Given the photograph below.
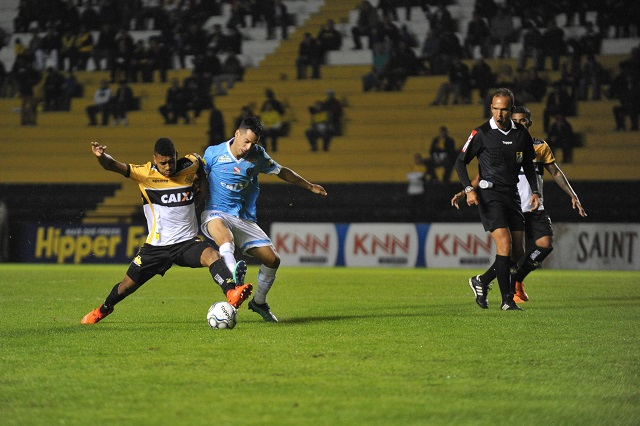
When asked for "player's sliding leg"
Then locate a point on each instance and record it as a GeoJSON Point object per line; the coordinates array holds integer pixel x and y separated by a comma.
{"type": "Point", "coordinates": [236, 294]}
{"type": "Point", "coordinates": [120, 291]}
{"type": "Point", "coordinates": [266, 277]}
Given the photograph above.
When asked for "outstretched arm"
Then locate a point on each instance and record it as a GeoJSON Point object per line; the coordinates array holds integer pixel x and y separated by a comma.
{"type": "Point", "coordinates": [290, 176]}
{"type": "Point", "coordinates": [562, 181]}
{"type": "Point", "coordinates": [107, 161]}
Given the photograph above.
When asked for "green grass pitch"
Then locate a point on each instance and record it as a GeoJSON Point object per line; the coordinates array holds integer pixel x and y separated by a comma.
{"type": "Point", "coordinates": [354, 347]}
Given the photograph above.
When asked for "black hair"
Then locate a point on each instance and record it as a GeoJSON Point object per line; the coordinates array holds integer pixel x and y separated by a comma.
{"type": "Point", "coordinates": [252, 123]}
{"type": "Point", "coordinates": [523, 110]}
{"type": "Point", "coordinates": [164, 147]}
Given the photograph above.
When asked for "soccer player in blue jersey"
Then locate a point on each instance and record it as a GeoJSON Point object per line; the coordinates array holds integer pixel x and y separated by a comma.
{"type": "Point", "coordinates": [229, 217]}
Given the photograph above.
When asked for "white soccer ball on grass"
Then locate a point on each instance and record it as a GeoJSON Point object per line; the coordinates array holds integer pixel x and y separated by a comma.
{"type": "Point", "coordinates": [222, 315]}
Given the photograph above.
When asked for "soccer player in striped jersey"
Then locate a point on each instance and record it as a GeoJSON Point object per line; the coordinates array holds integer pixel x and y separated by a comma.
{"type": "Point", "coordinates": [170, 188]}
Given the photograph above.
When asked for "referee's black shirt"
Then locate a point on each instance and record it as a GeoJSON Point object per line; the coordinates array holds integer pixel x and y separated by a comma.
{"type": "Point", "coordinates": [500, 155]}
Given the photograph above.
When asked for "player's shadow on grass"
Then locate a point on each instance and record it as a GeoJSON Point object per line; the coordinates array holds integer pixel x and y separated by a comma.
{"type": "Point", "coordinates": [305, 320]}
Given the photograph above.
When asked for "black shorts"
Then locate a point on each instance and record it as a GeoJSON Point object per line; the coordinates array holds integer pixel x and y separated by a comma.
{"type": "Point", "coordinates": [537, 224]}
{"type": "Point", "coordinates": [499, 209]}
{"type": "Point", "coordinates": [156, 260]}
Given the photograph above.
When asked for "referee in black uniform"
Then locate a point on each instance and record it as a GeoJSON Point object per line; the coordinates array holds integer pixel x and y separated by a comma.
{"type": "Point", "coordinates": [502, 147]}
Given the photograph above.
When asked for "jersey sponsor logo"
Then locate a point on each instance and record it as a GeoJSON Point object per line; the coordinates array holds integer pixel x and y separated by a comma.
{"type": "Point", "coordinates": [234, 186]}
{"type": "Point", "coordinates": [224, 158]}
{"type": "Point", "coordinates": [171, 198]}
{"type": "Point", "coordinates": [466, 145]}
{"type": "Point", "coordinates": [159, 180]}
{"type": "Point", "coordinates": [507, 142]}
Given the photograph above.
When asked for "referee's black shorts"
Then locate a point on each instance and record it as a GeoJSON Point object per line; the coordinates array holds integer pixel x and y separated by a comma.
{"type": "Point", "coordinates": [537, 224]}
{"type": "Point", "coordinates": [156, 260]}
{"type": "Point", "coordinates": [500, 209]}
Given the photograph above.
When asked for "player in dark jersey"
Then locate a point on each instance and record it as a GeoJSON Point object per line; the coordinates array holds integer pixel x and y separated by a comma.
{"type": "Point", "coordinates": [502, 147]}
{"type": "Point", "coordinates": [538, 228]}
{"type": "Point", "coordinates": [170, 191]}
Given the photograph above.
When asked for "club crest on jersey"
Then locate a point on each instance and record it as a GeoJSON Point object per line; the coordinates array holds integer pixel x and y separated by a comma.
{"type": "Point", "coordinates": [519, 157]}
{"type": "Point", "coordinates": [137, 261]}
{"type": "Point", "coordinates": [236, 170]}
{"type": "Point", "coordinates": [224, 158]}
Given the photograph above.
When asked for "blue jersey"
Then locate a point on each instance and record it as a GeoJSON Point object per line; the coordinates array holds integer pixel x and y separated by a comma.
{"type": "Point", "coordinates": [233, 182]}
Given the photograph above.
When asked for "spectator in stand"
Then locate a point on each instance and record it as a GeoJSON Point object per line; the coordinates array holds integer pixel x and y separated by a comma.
{"type": "Point", "coordinates": [386, 30]}
{"type": "Point", "coordinates": [271, 121]}
{"type": "Point", "coordinates": [35, 50]}
{"type": "Point", "coordinates": [571, 76]}
{"type": "Point", "coordinates": [207, 65]}
{"type": "Point", "coordinates": [482, 78]}
{"type": "Point", "coordinates": [175, 105]}
{"type": "Point", "coordinates": [233, 41]}
{"type": "Point", "coordinates": [502, 31]}
{"type": "Point", "coordinates": [105, 47]}
{"type": "Point", "coordinates": [309, 55]}
{"type": "Point", "coordinates": [321, 127]}
{"type": "Point", "coordinates": [553, 45]}
{"type": "Point", "coordinates": [141, 67]}
{"type": "Point", "coordinates": [329, 38]}
{"type": "Point", "coordinates": [84, 47]}
{"type": "Point", "coordinates": [90, 18]}
{"type": "Point", "coordinates": [53, 89]}
{"type": "Point", "coordinates": [593, 76]}
{"type": "Point", "coordinates": [376, 78]}
{"type": "Point", "coordinates": [561, 136]}
{"type": "Point", "coordinates": [478, 35]}
{"type": "Point", "coordinates": [407, 36]}
{"type": "Point", "coordinates": [442, 154]}
{"type": "Point", "coordinates": [279, 16]}
{"type": "Point", "coordinates": [626, 89]}
{"type": "Point", "coordinates": [450, 49]}
{"type": "Point", "coordinates": [193, 42]}
{"type": "Point", "coordinates": [160, 58]}
{"type": "Point", "coordinates": [558, 102]}
{"type": "Point", "coordinates": [335, 109]}
{"type": "Point", "coordinates": [531, 47]}
{"type": "Point", "coordinates": [532, 88]}
{"type": "Point", "coordinates": [71, 88]}
{"type": "Point", "coordinates": [431, 53]}
{"type": "Point", "coordinates": [49, 50]}
{"type": "Point", "coordinates": [245, 112]}
{"type": "Point", "coordinates": [230, 72]}
{"type": "Point", "coordinates": [101, 104]}
{"type": "Point", "coordinates": [367, 21]}
{"type": "Point", "coordinates": [121, 103]}
{"type": "Point", "coordinates": [216, 131]}
{"type": "Point", "coordinates": [26, 77]}
{"type": "Point", "coordinates": [458, 84]}
{"type": "Point", "coordinates": [198, 95]}
{"type": "Point", "coordinates": [441, 20]}
{"type": "Point", "coordinates": [271, 99]}
{"type": "Point", "coordinates": [68, 50]}
{"type": "Point", "coordinates": [120, 66]}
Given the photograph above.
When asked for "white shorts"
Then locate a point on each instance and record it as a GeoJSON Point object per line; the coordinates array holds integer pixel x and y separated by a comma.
{"type": "Point", "coordinates": [246, 234]}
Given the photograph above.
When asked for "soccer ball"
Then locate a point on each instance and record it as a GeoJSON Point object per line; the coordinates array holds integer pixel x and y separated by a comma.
{"type": "Point", "coordinates": [222, 315]}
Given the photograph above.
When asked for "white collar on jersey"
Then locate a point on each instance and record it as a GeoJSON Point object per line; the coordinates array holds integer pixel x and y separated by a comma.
{"type": "Point", "coordinates": [494, 126]}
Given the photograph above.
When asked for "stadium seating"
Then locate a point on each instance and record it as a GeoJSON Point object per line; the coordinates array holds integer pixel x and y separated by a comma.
{"type": "Point", "coordinates": [382, 129]}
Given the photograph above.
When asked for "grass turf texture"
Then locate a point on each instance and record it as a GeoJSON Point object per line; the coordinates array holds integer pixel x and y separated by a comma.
{"type": "Point", "coordinates": [354, 346]}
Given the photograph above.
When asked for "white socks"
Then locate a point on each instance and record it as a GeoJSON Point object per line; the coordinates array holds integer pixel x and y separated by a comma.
{"type": "Point", "coordinates": [227, 253]}
{"type": "Point", "coordinates": [266, 277]}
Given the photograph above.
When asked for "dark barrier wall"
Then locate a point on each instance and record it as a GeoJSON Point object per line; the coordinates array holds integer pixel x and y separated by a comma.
{"type": "Point", "coordinates": [33, 207]}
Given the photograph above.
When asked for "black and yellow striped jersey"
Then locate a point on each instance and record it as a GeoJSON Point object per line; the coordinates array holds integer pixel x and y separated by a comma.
{"type": "Point", "coordinates": [168, 202]}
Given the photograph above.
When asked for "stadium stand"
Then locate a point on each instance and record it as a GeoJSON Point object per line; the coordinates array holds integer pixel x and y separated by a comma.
{"type": "Point", "coordinates": [382, 129]}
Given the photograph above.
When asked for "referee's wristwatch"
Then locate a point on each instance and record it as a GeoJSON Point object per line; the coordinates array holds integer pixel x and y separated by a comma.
{"type": "Point", "coordinates": [468, 189]}
{"type": "Point", "coordinates": [537, 193]}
